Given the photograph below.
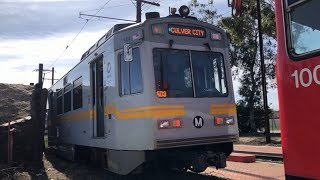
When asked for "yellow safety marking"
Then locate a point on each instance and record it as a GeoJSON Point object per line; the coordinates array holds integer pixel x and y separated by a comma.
{"type": "Point", "coordinates": [222, 105]}
{"type": "Point", "coordinates": [128, 113]}
{"type": "Point", "coordinates": [83, 115]}
{"type": "Point", "coordinates": [218, 109]}
{"type": "Point", "coordinates": [146, 112]}
{"type": "Point", "coordinates": [152, 108]}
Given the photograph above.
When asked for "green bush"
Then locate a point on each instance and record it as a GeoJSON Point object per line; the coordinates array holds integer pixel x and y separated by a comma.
{"type": "Point", "coordinates": [243, 113]}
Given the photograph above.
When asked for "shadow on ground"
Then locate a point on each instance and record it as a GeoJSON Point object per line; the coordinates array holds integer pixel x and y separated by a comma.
{"type": "Point", "coordinates": [24, 171]}
{"type": "Point", "coordinates": [57, 168]}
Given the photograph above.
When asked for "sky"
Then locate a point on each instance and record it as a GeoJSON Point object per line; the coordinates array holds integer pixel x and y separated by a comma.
{"type": "Point", "coordinates": [39, 31]}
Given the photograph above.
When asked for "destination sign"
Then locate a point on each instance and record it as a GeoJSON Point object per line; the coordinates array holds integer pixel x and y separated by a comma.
{"type": "Point", "coordinates": [186, 31]}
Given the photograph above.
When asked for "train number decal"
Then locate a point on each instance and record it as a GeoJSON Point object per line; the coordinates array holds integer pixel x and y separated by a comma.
{"type": "Point", "coordinates": [306, 80]}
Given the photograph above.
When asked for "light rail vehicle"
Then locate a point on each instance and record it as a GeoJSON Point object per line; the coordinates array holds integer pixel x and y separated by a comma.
{"type": "Point", "coordinates": [147, 94]}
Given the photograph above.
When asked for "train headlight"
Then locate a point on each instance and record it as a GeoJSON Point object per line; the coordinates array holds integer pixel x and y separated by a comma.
{"type": "Point", "coordinates": [215, 36]}
{"type": "Point", "coordinates": [229, 120]}
{"type": "Point", "coordinates": [164, 124]}
{"type": "Point", "coordinates": [184, 11]}
{"type": "Point", "coordinates": [220, 121]}
{"type": "Point", "coordinates": [157, 29]}
{"type": "Point", "coordinates": [176, 123]}
{"type": "Point", "coordinates": [169, 123]}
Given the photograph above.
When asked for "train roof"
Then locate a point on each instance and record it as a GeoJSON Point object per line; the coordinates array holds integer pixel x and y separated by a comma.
{"type": "Point", "coordinates": [118, 27]}
{"type": "Point", "coordinates": [114, 29]}
{"type": "Point", "coordinates": [127, 26]}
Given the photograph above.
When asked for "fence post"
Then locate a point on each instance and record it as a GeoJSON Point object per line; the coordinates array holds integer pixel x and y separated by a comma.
{"type": "Point", "coordinates": [38, 108]}
{"type": "Point", "coordinates": [10, 144]}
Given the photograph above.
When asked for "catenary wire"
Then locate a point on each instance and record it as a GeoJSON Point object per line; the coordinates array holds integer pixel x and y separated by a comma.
{"type": "Point", "coordinates": [84, 25]}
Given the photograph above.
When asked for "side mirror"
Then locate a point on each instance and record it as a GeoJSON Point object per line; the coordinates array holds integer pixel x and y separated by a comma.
{"type": "Point", "coordinates": [127, 51]}
{"type": "Point", "coordinates": [236, 6]}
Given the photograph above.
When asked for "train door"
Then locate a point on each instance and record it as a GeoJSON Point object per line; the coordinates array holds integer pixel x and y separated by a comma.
{"type": "Point", "coordinates": [97, 97]}
{"type": "Point", "coordinates": [50, 117]}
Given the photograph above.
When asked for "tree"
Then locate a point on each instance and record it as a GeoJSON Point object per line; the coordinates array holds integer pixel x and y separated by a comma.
{"type": "Point", "coordinates": [243, 34]}
{"type": "Point", "coordinates": [204, 11]}
{"type": "Point", "coordinates": [243, 115]}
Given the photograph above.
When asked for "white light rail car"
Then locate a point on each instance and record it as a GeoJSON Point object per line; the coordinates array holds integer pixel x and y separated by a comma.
{"type": "Point", "coordinates": [148, 93]}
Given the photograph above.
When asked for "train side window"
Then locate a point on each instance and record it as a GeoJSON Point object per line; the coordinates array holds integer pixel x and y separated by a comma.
{"type": "Point", "coordinates": [135, 72]}
{"type": "Point", "coordinates": [130, 74]}
{"type": "Point", "coordinates": [59, 102]}
{"type": "Point", "coordinates": [124, 76]}
{"type": "Point", "coordinates": [77, 94]}
{"type": "Point", "coordinates": [67, 99]}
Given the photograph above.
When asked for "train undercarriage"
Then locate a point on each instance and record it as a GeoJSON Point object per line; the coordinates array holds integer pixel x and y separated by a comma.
{"type": "Point", "coordinates": [194, 158]}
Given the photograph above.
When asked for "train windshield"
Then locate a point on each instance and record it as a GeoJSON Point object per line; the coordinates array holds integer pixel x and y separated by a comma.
{"type": "Point", "coordinates": [183, 73]}
{"type": "Point", "coordinates": [304, 25]}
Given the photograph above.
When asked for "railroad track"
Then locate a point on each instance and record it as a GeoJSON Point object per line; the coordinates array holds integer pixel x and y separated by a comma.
{"type": "Point", "coordinates": [264, 156]}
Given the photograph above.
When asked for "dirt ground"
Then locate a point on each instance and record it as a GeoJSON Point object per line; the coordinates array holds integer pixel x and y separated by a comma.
{"type": "Point", "coordinates": [57, 168]}
{"type": "Point", "coordinates": [14, 101]}
{"type": "Point", "coordinates": [51, 168]}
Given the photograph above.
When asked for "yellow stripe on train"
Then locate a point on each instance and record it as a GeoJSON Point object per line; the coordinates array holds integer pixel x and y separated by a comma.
{"type": "Point", "coordinates": [146, 111]}
{"type": "Point", "coordinates": [129, 113]}
{"type": "Point", "coordinates": [218, 109]}
{"type": "Point", "coordinates": [83, 115]}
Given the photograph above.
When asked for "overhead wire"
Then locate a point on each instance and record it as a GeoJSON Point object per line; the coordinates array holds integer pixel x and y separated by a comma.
{"type": "Point", "coordinates": [146, 8]}
{"type": "Point", "coordinates": [150, 7]}
{"type": "Point", "coordinates": [133, 3]}
{"type": "Point", "coordinates": [108, 7]}
{"type": "Point", "coordinates": [84, 25]}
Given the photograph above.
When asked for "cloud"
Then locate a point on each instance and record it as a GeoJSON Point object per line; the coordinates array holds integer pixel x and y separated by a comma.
{"type": "Point", "coordinates": [38, 19]}
{"type": "Point", "coordinates": [8, 57]}
{"type": "Point", "coordinates": [27, 54]}
{"type": "Point", "coordinates": [37, 31]}
{"type": "Point", "coordinates": [34, 32]}
{"type": "Point", "coordinates": [25, 68]}
{"type": "Point", "coordinates": [36, 1]}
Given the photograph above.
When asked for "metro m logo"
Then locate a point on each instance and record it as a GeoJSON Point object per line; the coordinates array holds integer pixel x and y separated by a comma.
{"type": "Point", "coordinates": [198, 122]}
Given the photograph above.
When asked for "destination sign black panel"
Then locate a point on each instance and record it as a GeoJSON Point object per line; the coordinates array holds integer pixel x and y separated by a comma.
{"type": "Point", "coordinates": [186, 31]}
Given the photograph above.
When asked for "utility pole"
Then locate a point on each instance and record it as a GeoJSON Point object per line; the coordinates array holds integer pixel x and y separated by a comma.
{"type": "Point", "coordinates": [40, 74]}
{"type": "Point", "coordinates": [52, 76]}
{"type": "Point", "coordinates": [139, 4]}
{"type": "Point", "coordinates": [263, 73]}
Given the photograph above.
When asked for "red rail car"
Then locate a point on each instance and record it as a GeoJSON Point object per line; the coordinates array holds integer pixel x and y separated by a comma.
{"type": "Point", "coordinates": [298, 78]}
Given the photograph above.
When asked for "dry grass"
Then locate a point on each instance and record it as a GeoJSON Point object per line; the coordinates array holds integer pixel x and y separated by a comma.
{"type": "Point", "coordinates": [14, 101]}
{"type": "Point", "coordinates": [50, 168]}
